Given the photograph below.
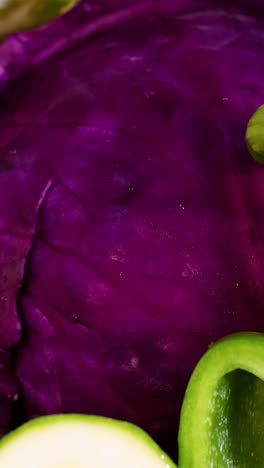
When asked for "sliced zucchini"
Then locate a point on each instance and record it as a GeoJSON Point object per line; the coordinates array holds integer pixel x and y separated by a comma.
{"type": "Point", "coordinates": [75, 441]}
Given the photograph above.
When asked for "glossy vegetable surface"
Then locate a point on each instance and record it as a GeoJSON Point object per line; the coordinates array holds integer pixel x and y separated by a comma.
{"type": "Point", "coordinates": [222, 418]}
{"type": "Point", "coordinates": [221, 423]}
{"type": "Point", "coordinates": [131, 212]}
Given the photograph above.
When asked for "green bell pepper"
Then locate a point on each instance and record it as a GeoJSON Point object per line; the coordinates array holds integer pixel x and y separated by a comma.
{"type": "Point", "coordinates": [221, 426]}
{"type": "Point", "coordinates": [222, 419]}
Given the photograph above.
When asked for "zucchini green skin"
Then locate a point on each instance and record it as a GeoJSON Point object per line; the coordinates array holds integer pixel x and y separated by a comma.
{"type": "Point", "coordinates": [222, 423]}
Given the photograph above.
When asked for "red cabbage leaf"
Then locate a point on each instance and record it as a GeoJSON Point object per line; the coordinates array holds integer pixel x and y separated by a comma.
{"type": "Point", "coordinates": [131, 213]}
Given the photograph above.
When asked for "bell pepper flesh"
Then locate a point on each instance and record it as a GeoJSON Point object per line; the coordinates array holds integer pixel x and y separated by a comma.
{"type": "Point", "coordinates": [222, 421]}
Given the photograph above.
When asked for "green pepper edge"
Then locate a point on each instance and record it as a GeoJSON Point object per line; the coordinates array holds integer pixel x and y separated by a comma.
{"type": "Point", "coordinates": [243, 351]}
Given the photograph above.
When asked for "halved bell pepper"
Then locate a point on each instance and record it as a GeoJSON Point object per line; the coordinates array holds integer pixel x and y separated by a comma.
{"type": "Point", "coordinates": [222, 423]}
{"type": "Point", "coordinates": [222, 419]}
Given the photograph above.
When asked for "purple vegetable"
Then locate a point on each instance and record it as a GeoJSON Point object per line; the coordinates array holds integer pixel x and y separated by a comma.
{"type": "Point", "coordinates": [131, 213]}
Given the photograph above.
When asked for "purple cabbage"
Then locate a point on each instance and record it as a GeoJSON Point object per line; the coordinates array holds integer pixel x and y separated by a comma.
{"type": "Point", "coordinates": [131, 213]}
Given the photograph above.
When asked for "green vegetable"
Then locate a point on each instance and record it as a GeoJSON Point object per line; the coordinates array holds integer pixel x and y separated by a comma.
{"type": "Point", "coordinates": [255, 135]}
{"type": "Point", "coordinates": [75, 441]}
{"type": "Point", "coordinates": [222, 422]}
{"type": "Point", "coordinates": [19, 15]}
